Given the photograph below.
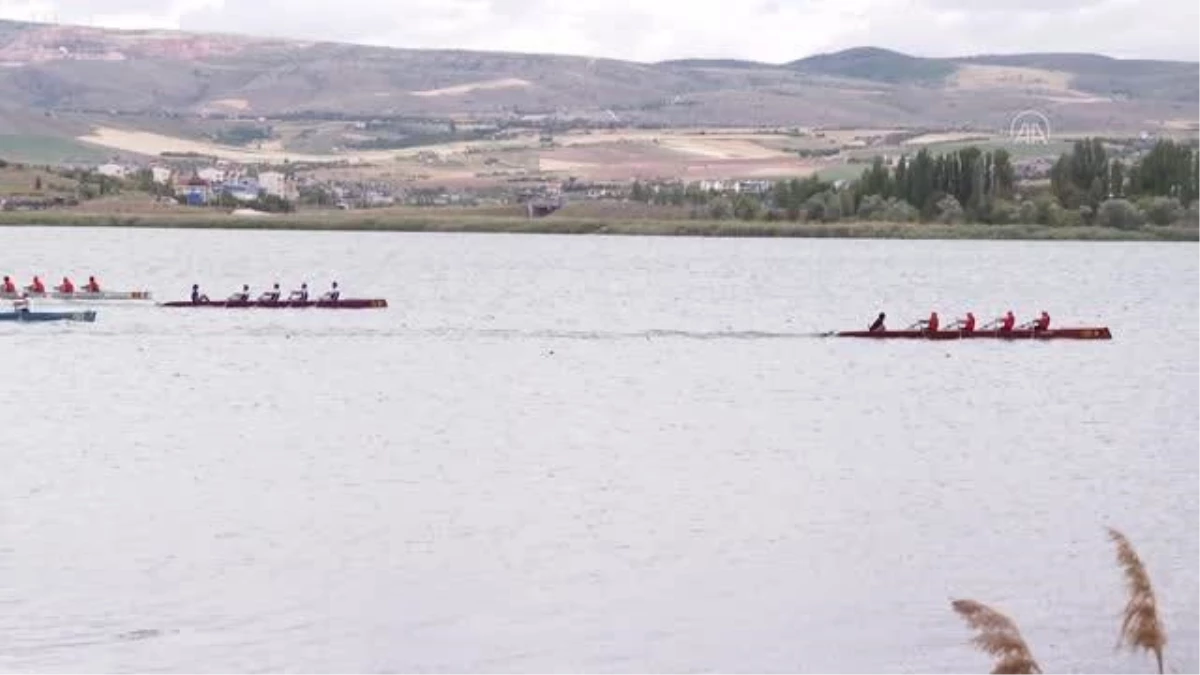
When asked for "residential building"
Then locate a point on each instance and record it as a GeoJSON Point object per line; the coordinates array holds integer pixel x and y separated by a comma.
{"type": "Point", "coordinates": [211, 174]}
{"type": "Point", "coordinates": [278, 184]}
{"type": "Point", "coordinates": [161, 174]}
{"type": "Point", "coordinates": [112, 170]}
{"type": "Point", "coordinates": [197, 191]}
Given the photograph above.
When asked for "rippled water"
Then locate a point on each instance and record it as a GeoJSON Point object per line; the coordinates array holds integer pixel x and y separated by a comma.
{"type": "Point", "coordinates": [591, 454]}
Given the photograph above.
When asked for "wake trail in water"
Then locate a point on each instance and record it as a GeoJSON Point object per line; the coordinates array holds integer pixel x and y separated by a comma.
{"type": "Point", "coordinates": [467, 333]}
{"type": "Point", "coordinates": [651, 334]}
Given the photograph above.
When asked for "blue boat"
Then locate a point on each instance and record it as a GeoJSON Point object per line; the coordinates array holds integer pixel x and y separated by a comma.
{"type": "Point", "coordinates": [88, 315]}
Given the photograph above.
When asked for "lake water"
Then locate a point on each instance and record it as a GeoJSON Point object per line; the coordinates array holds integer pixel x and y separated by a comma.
{"type": "Point", "coordinates": [591, 454]}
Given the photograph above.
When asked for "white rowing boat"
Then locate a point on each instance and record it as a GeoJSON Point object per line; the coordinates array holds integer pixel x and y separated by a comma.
{"type": "Point", "coordinates": [82, 296]}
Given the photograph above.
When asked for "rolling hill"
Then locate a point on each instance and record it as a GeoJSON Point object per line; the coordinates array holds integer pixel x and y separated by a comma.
{"type": "Point", "coordinates": [60, 81]}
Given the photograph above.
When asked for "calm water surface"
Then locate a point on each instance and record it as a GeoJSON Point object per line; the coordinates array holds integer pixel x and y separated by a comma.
{"type": "Point", "coordinates": [590, 454]}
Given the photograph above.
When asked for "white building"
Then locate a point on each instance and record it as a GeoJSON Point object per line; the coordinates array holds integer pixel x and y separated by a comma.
{"type": "Point", "coordinates": [161, 174]}
{"type": "Point", "coordinates": [211, 174]}
{"type": "Point", "coordinates": [112, 170]}
{"type": "Point", "coordinates": [278, 184]}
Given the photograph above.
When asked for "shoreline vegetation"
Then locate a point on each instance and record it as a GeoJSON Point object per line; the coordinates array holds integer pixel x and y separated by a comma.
{"type": "Point", "coordinates": [1092, 193]}
{"type": "Point", "coordinates": [463, 220]}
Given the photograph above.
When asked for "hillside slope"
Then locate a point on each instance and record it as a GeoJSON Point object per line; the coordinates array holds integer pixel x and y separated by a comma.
{"type": "Point", "coordinates": [71, 69]}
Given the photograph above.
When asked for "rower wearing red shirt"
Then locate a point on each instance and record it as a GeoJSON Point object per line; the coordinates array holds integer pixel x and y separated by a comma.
{"type": "Point", "coordinates": [1008, 321]}
{"type": "Point", "coordinates": [66, 286]}
{"type": "Point", "coordinates": [1040, 323]}
{"type": "Point", "coordinates": [37, 286]}
{"type": "Point", "coordinates": [92, 286]}
{"type": "Point", "coordinates": [965, 325]}
{"type": "Point", "coordinates": [930, 324]}
{"type": "Point", "coordinates": [9, 286]}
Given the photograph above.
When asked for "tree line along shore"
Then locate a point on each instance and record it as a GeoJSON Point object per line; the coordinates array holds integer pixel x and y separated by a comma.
{"type": "Point", "coordinates": [966, 194]}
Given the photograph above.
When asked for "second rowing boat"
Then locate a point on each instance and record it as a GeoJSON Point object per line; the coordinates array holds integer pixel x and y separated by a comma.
{"type": "Point", "coordinates": [82, 296]}
{"type": "Point", "coordinates": [87, 316]}
{"type": "Point", "coordinates": [345, 303]}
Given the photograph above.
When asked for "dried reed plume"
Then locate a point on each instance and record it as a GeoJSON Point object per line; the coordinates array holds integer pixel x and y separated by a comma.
{"type": "Point", "coordinates": [1141, 628]}
{"type": "Point", "coordinates": [998, 636]}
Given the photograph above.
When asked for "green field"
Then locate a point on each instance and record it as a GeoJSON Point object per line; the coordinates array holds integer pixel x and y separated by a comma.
{"type": "Point", "coordinates": [1016, 150]}
{"type": "Point", "coordinates": [49, 150]}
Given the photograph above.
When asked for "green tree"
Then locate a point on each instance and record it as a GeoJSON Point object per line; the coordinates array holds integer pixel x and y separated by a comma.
{"type": "Point", "coordinates": [1168, 170]}
{"type": "Point", "coordinates": [720, 208]}
{"type": "Point", "coordinates": [1162, 210]}
{"type": "Point", "coordinates": [1116, 178]}
{"type": "Point", "coordinates": [746, 207]}
{"type": "Point", "coordinates": [1081, 177]}
{"type": "Point", "coordinates": [1119, 213]}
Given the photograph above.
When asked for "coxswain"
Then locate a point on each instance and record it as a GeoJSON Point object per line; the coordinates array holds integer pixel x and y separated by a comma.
{"type": "Point", "coordinates": [37, 286]}
{"type": "Point", "coordinates": [66, 286]}
{"type": "Point", "coordinates": [333, 294]}
{"type": "Point", "coordinates": [241, 296]}
{"type": "Point", "coordinates": [930, 324]}
{"type": "Point", "coordinates": [878, 325]}
{"type": "Point", "coordinates": [300, 295]}
{"type": "Point", "coordinates": [92, 285]}
{"type": "Point", "coordinates": [197, 296]}
{"type": "Point", "coordinates": [965, 325]}
{"type": "Point", "coordinates": [9, 286]}
{"type": "Point", "coordinates": [271, 295]}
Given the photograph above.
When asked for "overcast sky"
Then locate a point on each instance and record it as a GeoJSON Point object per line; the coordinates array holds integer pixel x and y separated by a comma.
{"type": "Point", "coordinates": [651, 30]}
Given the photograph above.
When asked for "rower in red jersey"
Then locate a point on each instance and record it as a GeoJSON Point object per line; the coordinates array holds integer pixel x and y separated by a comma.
{"type": "Point", "coordinates": [66, 286]}
{"type": "Point", "coordinates": [965, 325]}
{"type": "Point", "coordinates": [1008, 321]}
{"type": "Point", "coordinates": [1040, 323]}
{"type": "Point", "coordinates": [37, 286]}
{"type": "Point", "coordinates": [930, 324]}
{"type": "Point", "coordinates": [8, 286]}
{"type": "Point", "coordinates": [92, 286]}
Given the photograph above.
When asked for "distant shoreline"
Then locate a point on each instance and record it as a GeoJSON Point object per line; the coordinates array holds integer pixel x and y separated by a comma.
{"type": "Point", "coordinates": [366, 221]}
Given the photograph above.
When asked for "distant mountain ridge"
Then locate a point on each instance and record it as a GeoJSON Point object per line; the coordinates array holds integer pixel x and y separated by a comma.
{"type": "Point", "coordinates": [66, 69]}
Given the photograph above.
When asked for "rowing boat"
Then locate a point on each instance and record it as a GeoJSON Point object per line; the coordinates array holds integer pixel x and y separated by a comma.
{"type": "Point", "coordinates": [1096, 333]}
{"type": "Point", "coordinates": [87, 316]}
{"type": "Point", "coordinates": [82, 296]}
{"type": "Point", "coordinates": [347, 303]}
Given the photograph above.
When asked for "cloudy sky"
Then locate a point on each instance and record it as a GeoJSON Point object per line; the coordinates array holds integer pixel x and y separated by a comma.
{"type": "Point", "coordinates": [650, 30]}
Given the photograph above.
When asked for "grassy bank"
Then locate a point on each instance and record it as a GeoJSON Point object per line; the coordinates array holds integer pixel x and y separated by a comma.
{"type": "Point", "coordinates": [418, 220]}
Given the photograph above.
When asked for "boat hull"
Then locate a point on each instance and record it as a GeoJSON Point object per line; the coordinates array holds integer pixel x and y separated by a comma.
{"type": "Point", "coordinates": [1089, 333]}
{"type": "Point", "coordinates": [82, 296]}
{"type": "Point", "coordinates": [87, 316]}
{"type": "Point", "coordinates": [348, 303]}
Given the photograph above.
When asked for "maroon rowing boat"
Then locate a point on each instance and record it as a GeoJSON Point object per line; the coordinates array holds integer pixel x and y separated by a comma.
{"type": "Point", "coordinates": [1098, 333]}
{"type": "Point", "coordinates": [347, 303]}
